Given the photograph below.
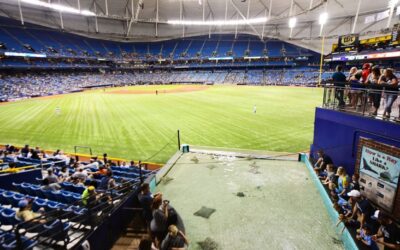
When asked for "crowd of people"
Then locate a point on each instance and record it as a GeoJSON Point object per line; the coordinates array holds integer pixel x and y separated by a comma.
{"type": "Point", "coordinates": [43, 84]}
{"type": "Point", "coordinates": [26, 85]}
{"type": "Point", "coordinates": [165, 230]}
{"type": "Point", "coordinates": [374, 227]}
{"type": "Point", "coordinates": [95, 176]}
{"type": "Point", "coordinates": [371, 77]}
{"type": "Point", "coordinates": [11, 154]}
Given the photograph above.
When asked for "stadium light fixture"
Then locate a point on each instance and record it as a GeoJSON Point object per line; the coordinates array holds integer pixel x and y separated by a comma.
{"type": "Point", "coordinates": [323, 18]}
{"type": "Point", "coordinates": [59, 7]}
{"type": "Point", "coordinates": [218, 22]}
{"type": "Point", "coordinates": [292, 22]}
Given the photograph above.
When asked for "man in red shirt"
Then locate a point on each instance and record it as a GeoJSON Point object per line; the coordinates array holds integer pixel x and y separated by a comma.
{"type": "Point", "coordinates": [366, 70]}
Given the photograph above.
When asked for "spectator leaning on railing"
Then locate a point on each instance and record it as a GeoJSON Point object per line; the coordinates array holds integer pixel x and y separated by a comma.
{"type": "Point", "coordinates": [373, 79]}
{"type": "Point", "coordinates": [391, 80]}
{"type": "Point", "coordinates": [339, 80]}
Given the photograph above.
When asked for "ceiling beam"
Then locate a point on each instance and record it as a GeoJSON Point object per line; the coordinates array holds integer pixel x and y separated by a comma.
{"type": "Point", "coordinates": [139, 7]}
{"type": "Point", "coordinates": [244, 18]}
{"type": "Point", "coordinates": [340, 24]}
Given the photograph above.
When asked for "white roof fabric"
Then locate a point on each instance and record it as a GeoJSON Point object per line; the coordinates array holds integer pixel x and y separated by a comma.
{"type": "Point", "coordinates": [115, 17]}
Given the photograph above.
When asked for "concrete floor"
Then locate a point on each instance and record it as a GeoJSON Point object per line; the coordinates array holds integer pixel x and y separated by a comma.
{"type": "Point", "coordinates": [280, 208]}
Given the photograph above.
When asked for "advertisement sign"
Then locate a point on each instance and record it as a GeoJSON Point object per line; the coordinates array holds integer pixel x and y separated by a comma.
{"type": "Point", "coordinates": [379, 176]}
{"type": "Point", "coordinates": [396, 33]}
{"type": "Point", "coordinates": [348, 42]}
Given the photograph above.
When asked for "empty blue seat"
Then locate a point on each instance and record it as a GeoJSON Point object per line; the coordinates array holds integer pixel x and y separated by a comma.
{"type": "Point", "coordinates": [67, 186]}
{"type": "Point", "coordinates": [6, 197]}
{"type": "Point", "coordinates": [57, 230]}
{"type": "Point", "coordinates": [35, 190]}
{"type": "Point", "coordinates": [45, 194]}
{"type": "Point", "coordinates": [62, 206]}
{"type": "Point", "coordinates": [38, 203]}
{"type": "Point", "coordinates": [7, 217]}
{"type": "Point", "coordinates": [18, 187]}
{"type": "Point", "coordinates": [51, 205]}
{"type": "Point", "coordinates": [16, 199]}
{"type": "Point", "coordinates": [8, 242]}
{"type": "Point", "coordinates": [25, 188]}
{"type": "Point", "coordinates": [54, 195]}
{"type": "Point", "coordinates": [78, 189]}
{"type": "Point", "coordinates": [65, 197]}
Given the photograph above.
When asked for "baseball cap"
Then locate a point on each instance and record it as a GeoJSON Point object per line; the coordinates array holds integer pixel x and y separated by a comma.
{"type": "Point", "coordinates": [366, 66]}
{"type": "Point", "coordinates": [23, 203]}
{"type": "Point", "coordinates": [354, 193]}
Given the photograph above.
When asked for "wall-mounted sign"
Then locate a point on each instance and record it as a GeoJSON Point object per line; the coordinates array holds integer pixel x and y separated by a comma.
{"type": "Point", "coordinates": [379, 167]}
{"type": "Point", "coordinates": [379, 174]}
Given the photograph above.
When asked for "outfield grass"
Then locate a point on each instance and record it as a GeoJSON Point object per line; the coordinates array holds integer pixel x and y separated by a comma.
{"type": "Point", "coordinates": [137, 126]}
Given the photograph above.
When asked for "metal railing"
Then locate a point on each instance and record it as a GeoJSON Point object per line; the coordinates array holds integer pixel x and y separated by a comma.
{"type": "Point", "coordinates": [374, 100]}
{"type": "Point", "coordinates": [51, 229]}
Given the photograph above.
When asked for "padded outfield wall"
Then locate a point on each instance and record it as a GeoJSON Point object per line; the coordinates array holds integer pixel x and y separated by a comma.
{"type": "Point", "coordinates": [338, 134]}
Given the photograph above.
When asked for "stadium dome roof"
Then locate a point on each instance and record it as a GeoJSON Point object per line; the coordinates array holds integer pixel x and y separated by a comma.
{"type": "Point", "coordinates": [147, 20]}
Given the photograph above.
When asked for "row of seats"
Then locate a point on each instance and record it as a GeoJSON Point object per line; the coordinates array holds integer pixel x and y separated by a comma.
{"type": "Point", "coordinates": [69, 186]}
{"type": "Point", "coordinates": [13, 198]}
{"type": "Point", "coordinates": [119, 174]}
{"type": "Point", "coordinates": [40, 40]}
{"type": "Point", "coordinates": [63, 196]}
{"type": "Point", "coordinates": [56, 229]}
{"type": "Point", "coordinates": [8, 217]}
{"type": "Point", "coordinates": [129, 169]}
{"type": "Point", "coordinates": [8, 241]}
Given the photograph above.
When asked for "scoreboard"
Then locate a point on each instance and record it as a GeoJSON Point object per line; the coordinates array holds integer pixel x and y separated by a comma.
{"type": "Point", "coordinates": [396, 33]}
{"type": "Point", "coordinates": [348, 43]}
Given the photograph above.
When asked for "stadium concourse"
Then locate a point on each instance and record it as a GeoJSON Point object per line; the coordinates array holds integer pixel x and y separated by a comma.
{"type": "Point", "coordinates": [271, 124]}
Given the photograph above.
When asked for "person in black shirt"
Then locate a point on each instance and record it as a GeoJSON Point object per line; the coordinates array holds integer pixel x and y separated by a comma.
{"type": "Point", "coordinates": [25, 151]}
{"type": "Point", "coordinates": [354, 184]}
{"type": "Point", "coordinates": [174, 239]}
{"type": "Point", "coordinates": [362, 210]}
{"type": "Point", "coordinates": [146, 200]}
{"type": "Point", "coordinates": [373, 81]}
{"type": "Point", "coordinates": [34, 154]}
{"type": "Point", "coordinates": [339, 80]}
{"type": "Point", "coordinates": [388, 234]}
{"type": "Point", "coordinates": [322, 162]}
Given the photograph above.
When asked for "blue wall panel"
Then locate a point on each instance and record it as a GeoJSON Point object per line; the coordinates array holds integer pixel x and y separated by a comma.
{"type": "Point", "coordinates": [30, 176]}
{"type": "Point", "coordinates": [338, 134]}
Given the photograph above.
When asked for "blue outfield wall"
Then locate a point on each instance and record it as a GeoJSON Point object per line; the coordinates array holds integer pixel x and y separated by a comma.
{"type": "Point", "coordinates": [338, 133]}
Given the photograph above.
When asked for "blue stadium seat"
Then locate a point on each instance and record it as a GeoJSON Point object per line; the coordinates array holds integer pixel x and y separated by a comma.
{"type": "Point", "coordinates": [16, 198]}
{"type": "Point", "coordinates": [26, 189]}
{"type": "Point", "coordinates": [66, 186]}
{"type": "Point", "coordinates": [8, 242]}
{"type": "Point", "coordinates": [78, 189]}
{"type": "Point", "coordinates": [44, 193]}
{"type": "Point", "coordinates": [51, 205]}
{"type": "Point", "coordinates": [54, 195]}
{"type": "Point", "coordinates": [57, 230]}
{"type": "Point", "coordinates": [62, 206]}
{"type": "Point", "coordinates": [38, 203]}
{"type": "Point", "coordinates": [7, 217]}
{"type": "Point", "coordinates": [65, 197]}
{"type": "Point", "coordinates": [6, 197]}
{"type": "Point", "coordinates": [18, 187]}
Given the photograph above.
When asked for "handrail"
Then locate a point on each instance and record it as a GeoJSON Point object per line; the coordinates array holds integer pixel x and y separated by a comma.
{"type": "Point", "coordinates": [104, 204]}
{"type": "Point", "coordinates": [370, 100]}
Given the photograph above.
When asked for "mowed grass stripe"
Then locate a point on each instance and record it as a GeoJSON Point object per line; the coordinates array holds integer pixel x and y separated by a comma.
{"type": "Point", "coordinates": [136, 126]}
